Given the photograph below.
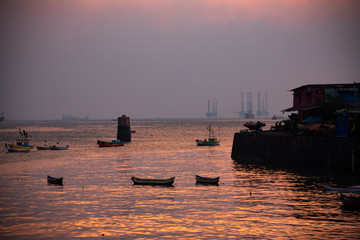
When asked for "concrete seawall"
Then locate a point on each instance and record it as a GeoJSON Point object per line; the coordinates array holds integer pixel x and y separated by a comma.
{"type": "Point", "coordinates": [297, 151]}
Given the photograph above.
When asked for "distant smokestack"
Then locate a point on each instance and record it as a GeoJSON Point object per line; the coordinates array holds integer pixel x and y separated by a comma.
{"type": "Point", "coordinates": [242, 102]}
{"type": "Point", "coordinates": [266, 101]}
{"type": "Point", "coordinates": [249, 101]}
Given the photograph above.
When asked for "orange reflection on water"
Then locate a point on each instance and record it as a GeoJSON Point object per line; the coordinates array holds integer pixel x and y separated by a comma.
{"type": "Point", "coordinates": [99, 198]}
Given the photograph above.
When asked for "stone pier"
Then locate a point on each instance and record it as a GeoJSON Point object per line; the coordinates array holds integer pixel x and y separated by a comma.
{"type": "Point", "coordinates": [298, 151]}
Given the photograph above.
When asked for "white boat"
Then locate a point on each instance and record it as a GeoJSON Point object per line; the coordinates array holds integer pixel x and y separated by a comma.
{"type": "Point", "coordinates": [59, 148]}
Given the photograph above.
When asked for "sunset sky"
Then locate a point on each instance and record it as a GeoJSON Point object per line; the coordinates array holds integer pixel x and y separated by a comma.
{"type": "Point", "coordinates": [167, 58]}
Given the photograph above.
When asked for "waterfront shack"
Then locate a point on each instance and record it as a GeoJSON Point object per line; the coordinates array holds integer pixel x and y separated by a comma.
{"type": "Point", "coordinates": [292, 147]}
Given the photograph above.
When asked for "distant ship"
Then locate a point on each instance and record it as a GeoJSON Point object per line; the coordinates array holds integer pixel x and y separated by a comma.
{"type": "Point", "coordinates": [2, 117]}
{"type": "Point", "coordinates": [70, 117]}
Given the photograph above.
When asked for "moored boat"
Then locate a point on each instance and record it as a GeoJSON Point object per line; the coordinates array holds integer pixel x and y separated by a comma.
{"type": "Point", "coordinates": [53, 180]}
{"type": "Point", "coordinates": [113, 143]}
{"type": "Point", "coordinates": [350, 201]}
{"type": "Point", "coordinates": [150, 181]}
{"type": "Point", "coordinates": [59, 148]}
{"type": "Point", "coordinates": [22, 144]}
{"type": "Point", "coordinates": [211, 141]}
{"type": "Point", "coordinates": [343, 189]}
{"type": "Point", "coordinates": [43, 147]}
{"type": "Point", "coordinates": [254, 126]}
{"type": "Point", "coordinates": [207, 180]}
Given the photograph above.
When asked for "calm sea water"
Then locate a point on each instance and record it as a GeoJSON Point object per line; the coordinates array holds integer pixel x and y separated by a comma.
{"type": "Point", "coordinates": [99, 201]}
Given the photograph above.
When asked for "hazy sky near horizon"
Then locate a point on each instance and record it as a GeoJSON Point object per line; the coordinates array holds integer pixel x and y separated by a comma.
{"type": "Point", "coordinates": [167, 58]}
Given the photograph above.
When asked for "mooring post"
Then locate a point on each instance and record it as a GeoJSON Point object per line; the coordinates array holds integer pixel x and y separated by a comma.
{"type": "Point", "coordinates": [352, 161]}
{"type": "Point", "coordinates": [123, 132]}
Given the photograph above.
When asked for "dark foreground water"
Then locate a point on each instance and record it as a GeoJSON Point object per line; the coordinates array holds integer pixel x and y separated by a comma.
{"type": "Point", "coordinates": [99, 201]}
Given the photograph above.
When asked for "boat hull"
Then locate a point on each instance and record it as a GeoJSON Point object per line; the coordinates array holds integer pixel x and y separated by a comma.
{"type": "Point", "coordinates": [17, 148]}
{"type": "Point", "coordinates": [42, 148]}
{"type": "Point", "coordinates": [146, 181]}
{"type": "Point", "coordinates": [59, 148]}
{"type": "Point", "coordinates": [342, 189]}
{"type": "Point", "coordinates": [207, 143]}
{"type": "Point", "coordinates": [53, 180]}
{"type": "Point", "coordinates": [206, 180]}
{"type": "Point", "coordinates": [110, 144]}
{"type": "Point", "coordinates": [350, 201]}
{"type": "Point", "coordinates": [254, 126]}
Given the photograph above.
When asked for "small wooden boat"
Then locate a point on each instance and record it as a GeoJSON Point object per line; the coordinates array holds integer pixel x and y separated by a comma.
{"type": "Point", "coordinates": [149, 181]}
{"type": "Point", "coordinates": [113, 143]}
{"type": "Point", "coordinates": [254, 126]}
{"type": "Point", "coordinates": [207, 180]}
{"type": "Point", "coordinates": [340, 188]}
{"type": "Point", "coordinates": [43, 147]}
{"type": "Point", "coordinates": [211, 141]}
{"type": "Point", "coordinates": [53, 180]}
{"type": "Point", "coordinates": [350, 201]}
{"type": "Point", "coordinates": [59, 148]}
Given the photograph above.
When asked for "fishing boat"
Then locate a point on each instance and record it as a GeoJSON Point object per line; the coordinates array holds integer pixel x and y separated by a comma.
{"type": "Point", "coordinates": [59, 148]}
{"type": "Point", "coordinates": [211, 141]}
{"type": "Point", "coordinates": [22, 144]}
{"type": "Point", "coordinates": [113, 143]}
{"type": "Point", "coordinates": [254, 126]}
{"type": "Point", "coordinates": [342, 189]}
{"type": "Point", "coordinates": [350, 201]}
{"type": "Point", "coordinates": [149, 181]}
{"type": "Point", "coordinates": [53, 180]}
{"type": "Point", "coordinates": [207, 180]}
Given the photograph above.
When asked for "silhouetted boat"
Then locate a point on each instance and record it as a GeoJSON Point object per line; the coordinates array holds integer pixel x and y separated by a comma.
{"type": "Point", "coordinates": [350, 201]}
{"type": "Point", "coordinates": [113, 143]}
{"type": "Point", "coordinates": [43, 147]}
{"type": "Point", "coordinates": [344, 189]}
{"type": "Point", "coordinates": [254, 126]}
{"type": "Point", "coordinates": [53, 180]}
{"type": "Point", "coordinates": [149, 181]}
{"type": "Point", "coordinates": [211, 141]}
{"type": "Point", "coordinates": [207, 180]}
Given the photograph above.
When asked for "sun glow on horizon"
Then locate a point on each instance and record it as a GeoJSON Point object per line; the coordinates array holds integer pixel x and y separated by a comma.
{"type": "Point", "coordinates": [227, 10]}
